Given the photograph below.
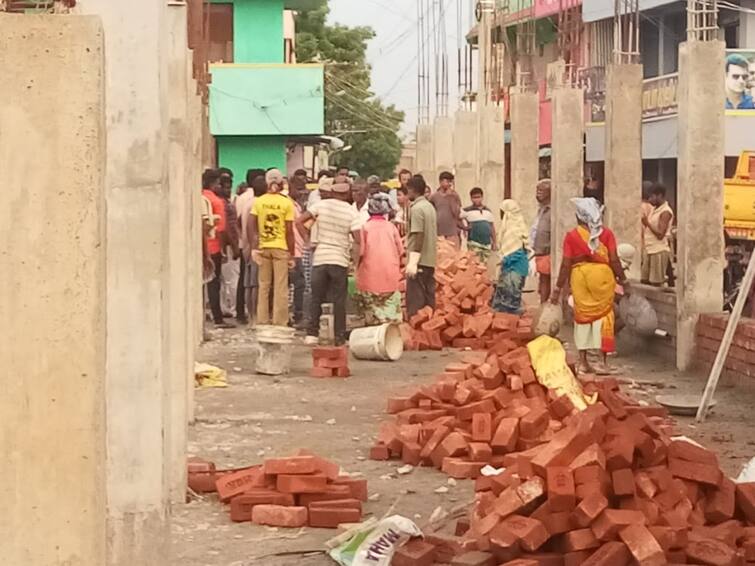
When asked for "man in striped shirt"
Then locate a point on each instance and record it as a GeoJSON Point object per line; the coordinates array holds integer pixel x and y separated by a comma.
{"type": "Point", "coordinates": [336, 223]}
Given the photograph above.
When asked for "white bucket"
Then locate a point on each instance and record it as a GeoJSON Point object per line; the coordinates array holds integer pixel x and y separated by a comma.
{"type": "Point", "coordinates": [382, 342]}
{"type": "Point", "coordinates": [274, 350]}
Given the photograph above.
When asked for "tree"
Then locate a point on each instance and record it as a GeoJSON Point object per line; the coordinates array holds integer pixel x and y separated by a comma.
{"type": "Point", "coordinates": [352, 112]}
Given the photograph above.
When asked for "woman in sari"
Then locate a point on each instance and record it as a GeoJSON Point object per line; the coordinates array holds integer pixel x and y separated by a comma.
{"type": "Point", "coordinates": [512, 246]}
{"type": "Point", "coordinates": [379, 270]}
{"type": "Point", "coordinates": [591, 264]}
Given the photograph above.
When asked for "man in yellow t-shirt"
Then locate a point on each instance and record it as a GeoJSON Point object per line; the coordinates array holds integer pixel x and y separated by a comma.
{"type": "Point", "coordinates": [271, 239]}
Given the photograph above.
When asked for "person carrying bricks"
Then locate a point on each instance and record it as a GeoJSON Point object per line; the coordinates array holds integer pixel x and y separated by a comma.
{"type": "Point", "coordinates": [271, 238]}
{"type": "Point", "coordinates": [421, 242]}
{"type": "Point", "coordinates": [336, 225]}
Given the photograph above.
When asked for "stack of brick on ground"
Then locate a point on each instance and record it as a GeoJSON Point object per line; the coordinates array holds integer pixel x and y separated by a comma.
{"type": "Point", "coordinates": [302, 490]}
{"type": "Point", "coordinates": [605, 486]}
{"type": "Point", "coordinates": [330, 361]}
{"type": "Point", "coordinates": [740, 363]}
{"type": "Point", "coordinates": [463, 317]}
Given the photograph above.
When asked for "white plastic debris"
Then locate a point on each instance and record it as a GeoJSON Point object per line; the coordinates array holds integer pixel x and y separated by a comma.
{"type": "Point", "coordinates": [490, 471]}
{"type": "Point", "coordinates": [403, 470]}
{"type": "Point", "coordinates": [748, 472]}
{"type": "Point", "coordinates": [375, 545]}
{"type": "Point", "coordinates": [330, 421]}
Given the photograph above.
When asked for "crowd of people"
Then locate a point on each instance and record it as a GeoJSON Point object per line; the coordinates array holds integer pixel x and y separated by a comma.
{"type": "Point", "coordinates": [281, 248]}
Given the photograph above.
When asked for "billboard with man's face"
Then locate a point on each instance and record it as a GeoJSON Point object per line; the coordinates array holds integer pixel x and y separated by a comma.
{"type": "Point", "coordinates": [740, 80]}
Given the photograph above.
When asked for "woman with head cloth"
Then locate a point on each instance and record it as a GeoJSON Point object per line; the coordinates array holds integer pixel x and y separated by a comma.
{"type": "Point", "coordinates": [512, 246]}
{"type": "Point", "coordinates": [379, 267]}
{"type": "Point", "coordinates": [592, 266]}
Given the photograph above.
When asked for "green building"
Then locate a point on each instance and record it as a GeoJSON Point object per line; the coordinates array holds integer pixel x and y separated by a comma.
{"type": "Point", "coordinates": [262, 105]}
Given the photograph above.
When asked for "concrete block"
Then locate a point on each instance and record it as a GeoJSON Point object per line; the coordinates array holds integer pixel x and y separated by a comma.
{"type": "Point", "coordinates": [525, 109]}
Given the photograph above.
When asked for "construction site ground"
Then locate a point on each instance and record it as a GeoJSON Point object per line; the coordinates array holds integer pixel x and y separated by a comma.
{"type": "Point", "coordinates": [260, 416]}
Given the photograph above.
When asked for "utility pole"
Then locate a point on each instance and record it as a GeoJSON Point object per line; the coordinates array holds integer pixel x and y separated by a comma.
{"type": "Point", "coordinates": [484, 12]}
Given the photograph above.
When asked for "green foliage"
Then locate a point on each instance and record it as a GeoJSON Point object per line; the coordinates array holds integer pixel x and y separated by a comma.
{"type": "Point", "coordinates": [352, 112]}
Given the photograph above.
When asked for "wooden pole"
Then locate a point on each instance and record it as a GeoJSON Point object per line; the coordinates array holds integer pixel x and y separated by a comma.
{"type": "Point", "coordinates": [723, 350]}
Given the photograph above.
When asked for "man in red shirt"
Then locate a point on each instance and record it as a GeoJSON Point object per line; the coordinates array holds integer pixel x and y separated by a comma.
{"type": "Point", "coordinates": [217, 224]}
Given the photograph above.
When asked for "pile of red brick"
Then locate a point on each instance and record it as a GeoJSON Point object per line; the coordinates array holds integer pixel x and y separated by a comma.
{"type": "Point", "coordinates": [330, 361]}
{"type": "Point", "coordinates": [286, 492]}
{"type": "Point", "coordinates": [462, 317]}
{"type": "Point", "coordinates": [604, 486]}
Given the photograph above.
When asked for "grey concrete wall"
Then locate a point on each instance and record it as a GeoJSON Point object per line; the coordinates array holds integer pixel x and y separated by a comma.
{"type": "Point", "coordinates": [525, 109]}
{"type": "Point", "coordinates": [425, 158]}
{"type": "Point", "coordinates": [138, 222]}
{"type": "Point", "coordinates": [700, 198]}
{"type": "Point", "coordinates": [566, 165]}
{"type": "Point", "coordinates": [491, 154]}
{"type": "Point", "coordinates": [465, 152]}
{"type": "Point", "coordinates": [623, 170]}
{"type": "Point", "coordinates": [52, 293]}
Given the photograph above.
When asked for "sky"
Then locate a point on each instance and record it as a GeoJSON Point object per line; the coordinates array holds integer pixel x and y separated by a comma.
{"type": "Point", "coordinates": [393, 52]}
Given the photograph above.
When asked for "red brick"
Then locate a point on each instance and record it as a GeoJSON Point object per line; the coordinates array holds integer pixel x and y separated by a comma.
{"type": "Point", "coordinates": [645, 485]}
{"type": "Point", "coordinates": [432, 443]}
{"type": "Point", "coordinates": [482, 427]}
{"type": "Point", "coordinates": [454, 445]}
{"type": "Point", "coordinates": [480, 452]}
{"type": "Point", "coordinates": [380, 452]}
{"type": "Point", "coordinates": [642, 546]}
{"type": "Point", "coordinates": [506, 436]}
{"type": "Point", "coordinates": [236, 483]}
{"type": "Point", "coordinates": [357, 487]}
{"type": "Point", "coordinates": [719, 506]}
{"type": "Point", "coordinates": [279, 516]}
{"type": "Point", "coordinates": [398, 404]}
{"type": "Point", "coordinates": [461, 469]}
{"type": "Point", "coordinates": [291, 465]}
{"type": "Point", "coordinates": [531, 533]}
{"type": "Point", "coordinates": [589, 474]}
{"type": "Point", "coordinates": [410, 453]}
{"type": "Point", "coordinates": [301, 484]}
{"type": "Point", "coordinates": [620, 453]}
{"type": "Point", "coordinates": [745, 498]}
{"type": "Point", "coordinates": [557, 523]}
{"type": "Point", "coordinates": [589, 509]}
{"type": "Point", "coordinates": [561, 489]}
{"type": "Point", "coordinates": [203, 482]}
{"type": "Point", "coordinates": [623, 482]}
{"type": "Point", "coordinates": [580, 539]}
{"type": "Point", "coordinates": [348, 503]}
{"type": "Point", "coordinates": [332, 492]}
{"type": "Point", "coordinates": [195, 464]}
{"type": "Point", "coordinates": [561, 407]}
{"type": "Point", "coordinates": [331, 517]}
{"type": "Point", "coordinates": [466, 412]}
{"type": "Point", "coordinates": [584, 490]}
{"type": "Point", "coordinates": [414, 553]}
{"type": "Point", "coordinates": [503, 543]}
{"type": "Point", "coordinates": [709, 474]}
{"type": "Point", "coordinates": [566, 445]}
{"type": "Point", "coordinates": [691, 452]}
{"type": "Point", "coordinates": [670, 538]}
{"type": "Point", "coordinates": [446, 546]}
{"type": "Point", "coordinates": [610, 554]}
{"type": "Point", "coordinates": [534, 423]}
{"type": "Point", "coordinates": [242, 505]}
{"type": "Point", "coordinates": [611, 521]}
{"type": "Point", "coordinates": [711, 551]}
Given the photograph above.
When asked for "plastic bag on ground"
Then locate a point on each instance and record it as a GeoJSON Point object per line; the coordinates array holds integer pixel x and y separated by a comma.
{"type": "Point", "coordinates": [549, 320]}
{"type": "Point", "coordinates": [747, 474]}
{"type": "Point", "coordinates": [206, 375]}
{"type": "Point", "coordinates": [376, 544]}
{"type": "Point", "coordinates": [549, 362]}
{"type": "Point", "coordinates": [638, 314]}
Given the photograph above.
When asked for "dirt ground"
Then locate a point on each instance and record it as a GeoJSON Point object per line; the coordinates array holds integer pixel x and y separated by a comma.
{"type": "Point", "coordinates": [258, 417]}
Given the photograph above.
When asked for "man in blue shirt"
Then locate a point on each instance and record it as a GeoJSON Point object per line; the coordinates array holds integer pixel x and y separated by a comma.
{"type": "Point", "coordinates": [737, 75]}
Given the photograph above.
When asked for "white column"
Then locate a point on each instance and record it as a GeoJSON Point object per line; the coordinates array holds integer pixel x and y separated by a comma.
{"type": "Point", "coordinates": [465, 152]}
{"type": "Point", "coordinates": [525, 151]}
{"type": "Point", "coordinates": [491, 156]}
{"type": "Point", "coordinates": [52, 293]}
{"type": "Point", "coordinates": [425, 157]}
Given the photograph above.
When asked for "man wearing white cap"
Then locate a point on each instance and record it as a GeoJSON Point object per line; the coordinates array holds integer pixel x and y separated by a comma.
{"type": "Point", "coordinates": [336, 225]}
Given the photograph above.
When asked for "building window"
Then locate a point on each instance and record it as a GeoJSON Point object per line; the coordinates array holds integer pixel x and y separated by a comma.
{"type": "Point", "coordinates": [649, 46]}
{"type": "Point", "coordinates": [221, 33]}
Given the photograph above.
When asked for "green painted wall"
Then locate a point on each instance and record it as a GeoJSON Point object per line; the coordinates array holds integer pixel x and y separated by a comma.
{"type": "Point", "coordinates": [241, 153]}
{"type": "Point", "coordinates": [291, 101]}
{"type": "Point", "coordinates": [257, 30]}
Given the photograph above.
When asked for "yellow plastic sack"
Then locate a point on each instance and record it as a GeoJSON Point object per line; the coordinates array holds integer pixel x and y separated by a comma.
{"type": "Point", "coordinates": [206, 375]}
{"type": "Point", "coordinates": [549, 362]}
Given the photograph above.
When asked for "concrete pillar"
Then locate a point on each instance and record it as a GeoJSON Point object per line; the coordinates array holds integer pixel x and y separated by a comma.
{"type": "Point", "coordinates": [137, 232]}
{"type": "Point", "coordinates": [443, 147]}
{"type": "Point", "coordinates": [492, 154]}
{"type": "Point", "coordinates": [465, 152]}
{"type": "Point", "coordinates": [52, 293]}
{"type": "Point", "coordinates": [567, 165]}
{"type": "Point", "coordinates": [525, 151]}
{"type": "Point", "coordinates": [700, 246]}
{"type": "Point", "coordinates": [623, 170]}
{"type": "Point", "coordinates": [425, 157]}
{"type": "Point", "coordinates": [179, 366]}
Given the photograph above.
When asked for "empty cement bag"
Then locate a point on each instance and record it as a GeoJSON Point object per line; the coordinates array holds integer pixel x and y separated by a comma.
{"type": "Point", "coordinates": [638, 314]}
{"type": "Point", "coordinates": [549, 320]}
